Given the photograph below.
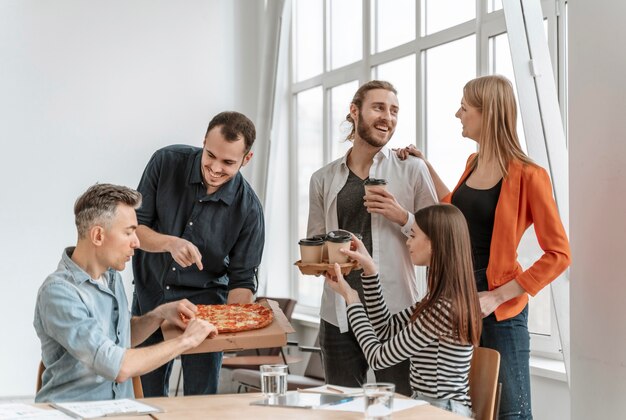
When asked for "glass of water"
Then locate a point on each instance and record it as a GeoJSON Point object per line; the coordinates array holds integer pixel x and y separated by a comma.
{"type": "Point", "coordinates": [378, 400]}
{"type": "Point", "coordinates": [273, 380]}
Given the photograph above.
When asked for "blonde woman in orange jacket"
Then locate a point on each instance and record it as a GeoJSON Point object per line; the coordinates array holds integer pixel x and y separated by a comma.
{"type": "Point", "coordinates": [501, 193]}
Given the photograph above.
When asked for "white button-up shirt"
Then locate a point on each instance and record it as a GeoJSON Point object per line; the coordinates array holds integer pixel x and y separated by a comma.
{"type": "Point", "coordinates": [411, 185]}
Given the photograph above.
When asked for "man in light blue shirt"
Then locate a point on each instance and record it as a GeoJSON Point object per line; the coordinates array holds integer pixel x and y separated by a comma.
{"type": "Point", "coordinates": [82, 318]}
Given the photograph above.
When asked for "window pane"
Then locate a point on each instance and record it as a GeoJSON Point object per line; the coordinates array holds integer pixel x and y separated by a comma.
{"type": "Point", "coordinates": [493, 5]}
{"type": "Point", "coordinates": [340, 98]}
{"type": "Point", "coordinates": [393, 25]}
{"type": "Point", "coordinates": [401, 73]}
{"type": "Point", "coordinates": [442, 14]}
{"type": "Point", "coordinates": [346, 39]}
{"type": "Point", "coordinates": [446, 149]}
{"type": "Point", "coordinates": [500, 57]}
{"type": "Point", "coordinates": [309, 106]}
{"type": "Point", "coordinates": [308, 38]}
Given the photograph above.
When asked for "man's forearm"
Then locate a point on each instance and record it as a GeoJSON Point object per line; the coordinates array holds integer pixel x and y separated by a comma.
{"type": "Point", "coordinates": [440, 187]}
{"type": "Point", "coordinates": [141, 327]}
{"type": "Point", "coordinates": [240, 295]}
{"type": "Point", "coordinates": [145, 359]}
{"type": "Point", "coordinates": [152, 241]}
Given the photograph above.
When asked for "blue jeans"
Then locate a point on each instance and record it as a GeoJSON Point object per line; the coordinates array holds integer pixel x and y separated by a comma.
{"type": "Point", "coordinates": [456, 407]}
{"type": "Point", "coordinates": [345, 364]}
{"type": "Point", "coordinates": [511, 339]}
{"type": "Point", "coordinates": [200, 371]}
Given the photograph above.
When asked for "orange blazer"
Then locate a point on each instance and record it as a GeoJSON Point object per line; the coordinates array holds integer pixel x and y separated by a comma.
{"type": "Point", "coordinates": [525, 198]}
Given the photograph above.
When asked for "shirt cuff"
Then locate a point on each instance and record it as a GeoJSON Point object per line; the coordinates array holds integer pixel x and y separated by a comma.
{"type": "Point", "coordinates": [406, 229]}
{"type": "Point", "coordinates": [108, 360]}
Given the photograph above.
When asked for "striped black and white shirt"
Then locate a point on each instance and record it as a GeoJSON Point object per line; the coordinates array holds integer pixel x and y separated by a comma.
{"type": "Point", "coordinates": [439, 363]}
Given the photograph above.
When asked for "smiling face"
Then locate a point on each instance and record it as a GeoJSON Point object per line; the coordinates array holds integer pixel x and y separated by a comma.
{"type": "Point", "coordinates": [222, 159]}
{"type": "Point", "coordinates": [419, 246]}
{"type": "Point", "coordinates": [117, 240]}
{"type": "Point", "coordinates": [471, 120]}
{"type": "Point", "coordinates": [377, 119]}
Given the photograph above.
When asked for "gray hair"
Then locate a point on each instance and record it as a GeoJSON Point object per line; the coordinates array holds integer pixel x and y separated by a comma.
{"type": "Point", "coordinates": [99, 203]}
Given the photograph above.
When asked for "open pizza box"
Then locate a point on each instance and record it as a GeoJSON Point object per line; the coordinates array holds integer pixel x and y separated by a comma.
{"type": "Point", "coordinates": [274, 335]}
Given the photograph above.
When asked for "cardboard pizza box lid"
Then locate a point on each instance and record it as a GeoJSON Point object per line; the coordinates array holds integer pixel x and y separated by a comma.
{"type": "Point", "coordinates": [274, 335]}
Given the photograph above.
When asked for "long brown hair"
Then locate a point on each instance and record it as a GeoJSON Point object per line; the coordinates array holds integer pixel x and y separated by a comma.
{"type": "Point", "coordinates": [451, 272]}
{"type": "Point", "coordinates": [494, 97]}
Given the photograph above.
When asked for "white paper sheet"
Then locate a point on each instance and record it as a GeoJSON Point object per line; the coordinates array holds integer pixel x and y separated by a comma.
{"type": "Point", "coordinates": [25, 411]}
{"type": "Point", "coordinates": [358, 405]}
{"type": "Point", "coordinates": [92, 409]}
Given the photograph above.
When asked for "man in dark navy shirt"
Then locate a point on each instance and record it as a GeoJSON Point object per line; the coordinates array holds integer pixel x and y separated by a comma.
{"type": "Point", "coordinates": [202, 232]}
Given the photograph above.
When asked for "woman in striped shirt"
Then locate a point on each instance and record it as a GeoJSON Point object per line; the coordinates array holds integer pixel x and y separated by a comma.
{"type": "Point", "coordinates": [438, 333]}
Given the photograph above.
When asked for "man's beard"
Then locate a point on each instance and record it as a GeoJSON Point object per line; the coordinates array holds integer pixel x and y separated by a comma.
{"type": "Point", "coordinates": [364, 132]}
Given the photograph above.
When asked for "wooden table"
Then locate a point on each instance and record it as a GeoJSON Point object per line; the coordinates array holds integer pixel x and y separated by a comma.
{"type": "Point", "coordinates": [237, 406]}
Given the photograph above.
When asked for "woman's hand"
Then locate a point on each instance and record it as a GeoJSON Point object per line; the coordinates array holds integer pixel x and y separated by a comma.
{"type": "Point", "coordinates": [488, 302]}
{"type": "Point", "coordinates": [359, 253]}
{"type": "Point", "coordinates": [336, 282]}
{"type": "Point", "coordinates": [410, 150]}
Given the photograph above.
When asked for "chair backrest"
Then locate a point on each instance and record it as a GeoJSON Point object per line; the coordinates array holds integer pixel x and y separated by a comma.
{"type": "Point", "coordinates": [137, 388]}
{"type": "Point", "coordinates": [40, 370]}
{"type": "Point", "coordinates": [483, 382]}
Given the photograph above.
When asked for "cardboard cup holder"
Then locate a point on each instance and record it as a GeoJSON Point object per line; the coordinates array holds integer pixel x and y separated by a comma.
{"type": "Point", "coordinates": [316, 269]}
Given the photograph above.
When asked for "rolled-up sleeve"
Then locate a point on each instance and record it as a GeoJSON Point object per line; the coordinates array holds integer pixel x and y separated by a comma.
{"type": "Point", "coordinates": [67, 319]}
{"type": "Point", "coordinates": [246, 255]}
{"type": "Point", "coordinates": [148, 186]}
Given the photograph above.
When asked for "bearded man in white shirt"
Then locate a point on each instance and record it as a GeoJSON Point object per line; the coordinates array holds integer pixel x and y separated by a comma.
{"type": "Point", "coordinates": [383, 217]}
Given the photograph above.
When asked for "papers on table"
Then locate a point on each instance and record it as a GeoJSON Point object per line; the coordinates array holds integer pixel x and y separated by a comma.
{"type": "Point", "coordinates": [333, 390]}
{"type": "Point", "coordinates": [93, 409]}
{"type": "Point", "coordinates": [358, 405]}
{"type": "Point", "coordinates": [25, 411]}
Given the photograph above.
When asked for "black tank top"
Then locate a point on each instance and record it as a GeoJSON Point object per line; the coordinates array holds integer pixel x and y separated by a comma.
{"type": "Point", "coordinates": [479, 209]}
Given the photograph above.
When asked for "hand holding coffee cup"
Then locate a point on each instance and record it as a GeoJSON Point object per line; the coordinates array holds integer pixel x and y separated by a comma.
{"type": "Point", "coordinates": [336, 240]}
{"type": "Point", "coordinates": [374, 184]}
{"type": "Point", "coordinates": [378, 200]}
{"type": "Point", "coordinates": [359, 253]}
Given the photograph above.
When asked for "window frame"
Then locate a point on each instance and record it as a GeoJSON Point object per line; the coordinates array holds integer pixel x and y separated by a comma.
{"type": "Point", "coordinates": [484, 26]}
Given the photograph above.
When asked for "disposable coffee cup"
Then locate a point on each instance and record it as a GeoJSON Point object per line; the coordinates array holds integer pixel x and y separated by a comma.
{"type": "Point", "coordinates": [336, 240]}
{"type": "Point", "coordinates": [324, 247]}
{"type": "Point", "coordinates": [374, 182]}
{"type": "Point", "coordinates": [311, 250]}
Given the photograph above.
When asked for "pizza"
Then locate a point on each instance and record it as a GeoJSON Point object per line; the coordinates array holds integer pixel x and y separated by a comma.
{"type": "Point", "coordinates": [235, 317]}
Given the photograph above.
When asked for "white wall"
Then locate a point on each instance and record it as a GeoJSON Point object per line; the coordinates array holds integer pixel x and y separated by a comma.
{"type": "Point", "coordinates": [597, 146]}
{"type": "Point", "coordinates": [88, 90]}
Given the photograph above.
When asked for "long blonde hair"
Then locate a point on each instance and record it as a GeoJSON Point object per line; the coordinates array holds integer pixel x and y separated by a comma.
{"type": "Point", "coordinates": [451, 272]}
{"type": "Point", "coordinates": [494, 97]}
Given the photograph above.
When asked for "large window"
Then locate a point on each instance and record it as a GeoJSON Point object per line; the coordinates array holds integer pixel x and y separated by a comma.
{"type": "Point", "coordinates": [428, 49]}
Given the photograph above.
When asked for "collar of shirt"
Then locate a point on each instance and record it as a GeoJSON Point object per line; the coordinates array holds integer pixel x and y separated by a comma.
{"type": "Point", "coordinates": [225, 193]}
{"type": "Point", "coordinates": [383, 153]}
{"type": "Point", "coordinates": [79, 275]}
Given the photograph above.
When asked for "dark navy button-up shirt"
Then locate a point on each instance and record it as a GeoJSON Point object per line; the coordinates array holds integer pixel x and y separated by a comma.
{"type": "Point", "coordinates": [226, 226]}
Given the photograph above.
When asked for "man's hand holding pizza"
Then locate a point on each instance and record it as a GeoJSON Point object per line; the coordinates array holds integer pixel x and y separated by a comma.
{"type": "Point", "coordinates": [172, 312]}
{"type": "Point", "coordinates": [197, 331]}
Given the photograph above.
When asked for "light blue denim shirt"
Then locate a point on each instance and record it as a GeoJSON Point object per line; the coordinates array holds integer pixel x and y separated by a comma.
{"type": "Point", "coordinates": [84, 328]}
